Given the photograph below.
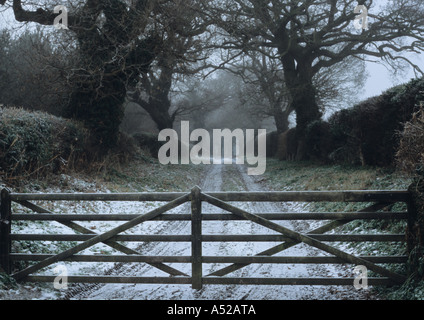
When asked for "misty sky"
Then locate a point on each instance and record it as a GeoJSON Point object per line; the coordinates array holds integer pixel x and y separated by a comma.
{"type": "Point", "coordinates": [380, 79]}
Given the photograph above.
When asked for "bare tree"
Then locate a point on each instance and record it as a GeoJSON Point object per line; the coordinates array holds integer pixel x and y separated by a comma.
{"type": "Point", "coordinates": [214, 102]}
{"type": "Point", "coordinates": [195, 98]}
{"type": "Point", "coordinates": [183, 34]}
{"type": "Point", "coordinates": [114, 47]}
{"type": "Point", "coordinates": [313, 35]}
{"type": "Point", "coordinates": [266, 95]}
{"type": "Point", "coordinates": [33, 72]}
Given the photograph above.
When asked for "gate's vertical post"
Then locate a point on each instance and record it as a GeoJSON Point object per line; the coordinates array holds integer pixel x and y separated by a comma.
{"type": "Point", "coordinates": [415, 229]}
{"type": "Point", "coordinates": [5, 230]}
{"type": "Point", "coordinates": [196, 238]}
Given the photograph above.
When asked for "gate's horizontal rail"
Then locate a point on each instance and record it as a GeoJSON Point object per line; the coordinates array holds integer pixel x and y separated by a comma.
{"type": "Point", "coordinates": [213, 280]}
{"type": "Point", "coordinates": [215, 216]}
{"type": "Point", "coordinates": [312, 196]}
{"type": "Point", "coordinates": [114, 279]}
{"type": "Point", "coordinates": [209, 259]}
{"type": "Point", "coordinates": [147, 196]}
{"type": "Point", "coordinates": [212, 238]}
{"type": "Point", "coordinates": [271, 196]}
{"type": "Point", "coordinates": [105, 258]}
{"type": "Point", "coordinates": [295, 281]}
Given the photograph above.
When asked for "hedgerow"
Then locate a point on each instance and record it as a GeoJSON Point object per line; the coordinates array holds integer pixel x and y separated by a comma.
{"type": "Point", "coordinates": [368, 133]}
{"type": "Point", "coordinates": [37, 142]}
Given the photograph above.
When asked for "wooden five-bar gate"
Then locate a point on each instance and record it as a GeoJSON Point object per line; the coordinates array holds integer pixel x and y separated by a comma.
{"type": "Point", "coordinates": [378, 206]}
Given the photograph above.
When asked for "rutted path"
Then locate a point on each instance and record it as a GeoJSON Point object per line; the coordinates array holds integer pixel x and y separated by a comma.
{"type": "Point", "coordinates": [224, 178]}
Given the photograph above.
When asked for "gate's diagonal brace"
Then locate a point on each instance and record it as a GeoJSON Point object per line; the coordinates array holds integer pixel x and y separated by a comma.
{"type": "Point", "coordinates": [113, 244]}
{"type": "Point", "coordinates": [288, 244]}
{"type": "Point", "coordinates": [304, 238]}
{"type": "Point", "coordinates": [101, 237]}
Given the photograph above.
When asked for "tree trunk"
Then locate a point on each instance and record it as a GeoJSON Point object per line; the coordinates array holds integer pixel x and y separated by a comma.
{"type": "Point", "coordinates": [281, 119]}
{"type": "Point", "coordinates": [158, 90]}
{"type": "Point", "coordinates": [303, 98]}
{"type": "Point", "coordinates": [158, 109]}
{"type": "Point", "coordinates": [98, 102]}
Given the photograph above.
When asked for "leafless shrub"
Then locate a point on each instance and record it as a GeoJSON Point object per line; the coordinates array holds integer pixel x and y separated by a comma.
{"type": "Point", "coordinates": [410, 156]}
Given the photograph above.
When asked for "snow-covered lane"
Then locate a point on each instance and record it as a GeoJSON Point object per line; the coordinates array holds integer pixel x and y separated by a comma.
{"type": "Point", "coordinates": [223, 178]}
